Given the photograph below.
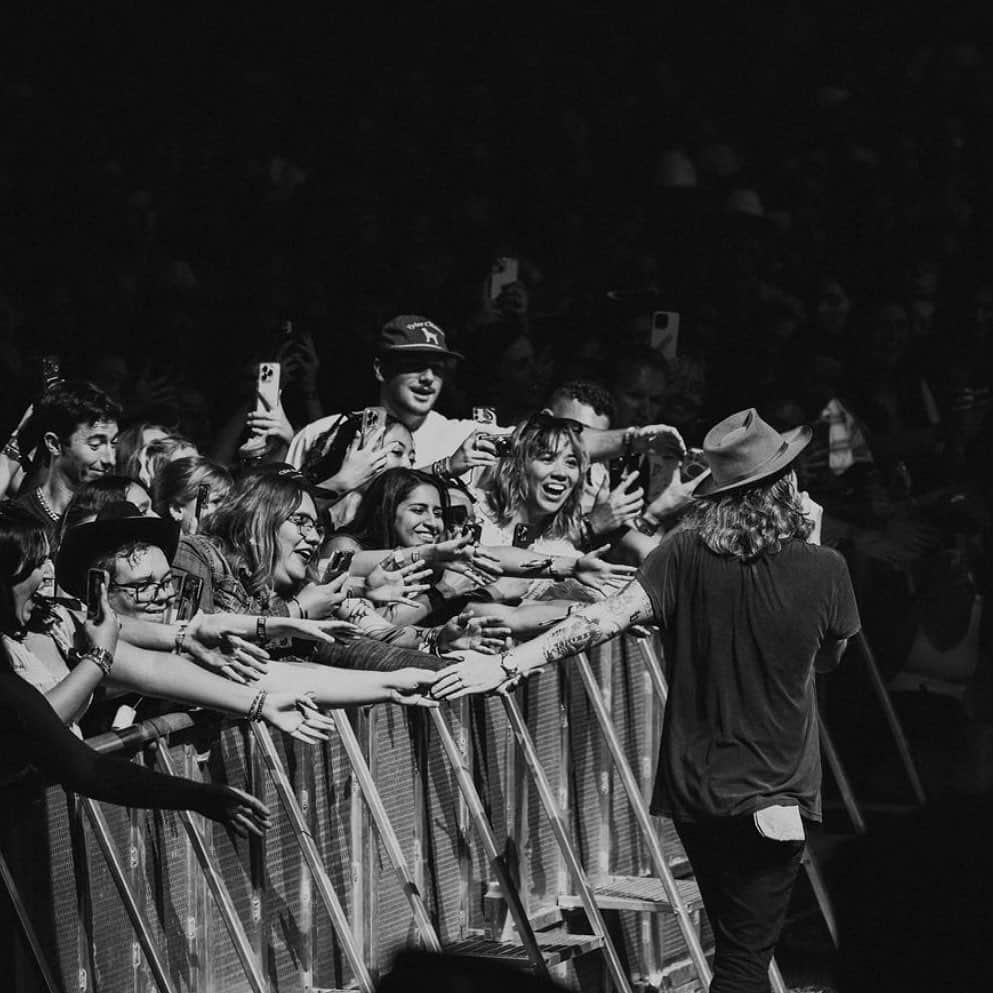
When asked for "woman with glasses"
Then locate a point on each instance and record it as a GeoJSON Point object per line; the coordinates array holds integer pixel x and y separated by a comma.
{"type": "Point", "coordinates": [66, 659]}
{"type": "Point", "coordinates": [259, 554]}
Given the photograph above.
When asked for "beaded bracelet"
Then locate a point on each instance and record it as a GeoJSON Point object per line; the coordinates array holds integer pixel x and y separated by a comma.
{"type": "Point", "coordinates": [99, 657]}
{"type": "Point", "coordinates": [260, 629]}
{"type": "Point", "coordinates": [255, 708]}
{"type": "Point", "coordinates": [442, 468]}
{"type": "Point", "coordinates": [13, 450]}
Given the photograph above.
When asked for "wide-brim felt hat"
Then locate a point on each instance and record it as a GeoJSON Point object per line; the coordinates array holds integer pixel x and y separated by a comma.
{"type": "Point", "coordinates": [117, 524]}
{"type": "Point", "coordinates": [743, 449]}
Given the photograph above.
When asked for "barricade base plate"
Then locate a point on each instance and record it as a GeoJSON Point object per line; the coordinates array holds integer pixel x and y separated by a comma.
{"type": "Point", "coordinates": [642, 893]}
{"type": "Point", "coordinates": [556, 946]}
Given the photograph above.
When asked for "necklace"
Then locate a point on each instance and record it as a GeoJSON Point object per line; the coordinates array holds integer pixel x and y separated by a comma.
{"type": "Point", "coordinates": [46, 506]}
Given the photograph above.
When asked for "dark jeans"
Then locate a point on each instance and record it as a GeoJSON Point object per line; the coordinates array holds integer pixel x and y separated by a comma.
{"type": "Point", "coordinates": [745, 881]}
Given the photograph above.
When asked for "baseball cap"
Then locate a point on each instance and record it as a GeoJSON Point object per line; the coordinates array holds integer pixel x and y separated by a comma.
{"type": "Point", "coordinates": [409, 333]}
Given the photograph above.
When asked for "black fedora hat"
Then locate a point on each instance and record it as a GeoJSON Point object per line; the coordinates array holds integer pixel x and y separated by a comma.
{"type": "Point", "coordinates": [117, 524]}
{"type": "Point", "coordinates": [743, 449]}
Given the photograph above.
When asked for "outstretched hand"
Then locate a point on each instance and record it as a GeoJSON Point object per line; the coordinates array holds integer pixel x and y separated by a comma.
{"type": "Point", "coordinates": [601, 576]}
{"type": "Point", "coordinates": [473, 673]}
{"type": "Point", "coordinates": [243, 813]}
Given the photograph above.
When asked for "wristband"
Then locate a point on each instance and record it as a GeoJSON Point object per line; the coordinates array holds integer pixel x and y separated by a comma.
{"type": "Point", "coordinates": [179, 645]}
{"type": "Point", "coordinates": [642, 524]}
{"type": "Point", "coordinates": [99, 657]}
{"type": "Point", "coordinates": [13, 450]}
{"type": "Point", "coordinates": [512, 670]}
{"type": "Point", "coordinates": [443, 468]}
{"type": "Point", "coordinates": [260, 629]}
{"type": "Point", "coordinates": [255, 707]}
{"type": "Point", "coordinates": [303, 613]}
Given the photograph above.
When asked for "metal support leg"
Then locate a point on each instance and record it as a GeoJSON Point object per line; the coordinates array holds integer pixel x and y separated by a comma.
{"type": "Point", "coordinates": [387, 835]}
{"type": "Point", "coordinates": [547, 795]}
{"type": "Point", "coordinates": [644, 820]}
{"type": "Point", "coordinates": [833, 760]}
{"type": "Point", "coordinates": [102, 833]}
{"type": "Point", "coordinates": [27, 927]}
{"type": "Point", "coordinates": [478, 813]}
{"type": "Point", "coordinates": [896, 728]}
{"type": "Point", "coordinates": [218, 890]}
{"type": "Point", "coordinates": [308, 848]}
{"type": "Point", "coordinates": [813, 870]}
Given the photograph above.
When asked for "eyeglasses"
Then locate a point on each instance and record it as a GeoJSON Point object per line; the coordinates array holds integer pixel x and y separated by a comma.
{"type": "Point", "coordinates": [306, 524]}
{"type": "Point", "coordinates": [545, 420]}
{"type": "Point", "coordinates": [149, 591]}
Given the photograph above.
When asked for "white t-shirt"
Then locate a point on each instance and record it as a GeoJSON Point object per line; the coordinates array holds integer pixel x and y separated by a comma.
{"type": "Point", "coordinates": [437, 437]}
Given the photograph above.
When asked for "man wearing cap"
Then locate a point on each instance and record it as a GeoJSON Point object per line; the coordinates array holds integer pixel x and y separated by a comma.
{"type": "Point", "coordinates": [412, 358]}
{"type": "Point", "coordinates": [749, 608]}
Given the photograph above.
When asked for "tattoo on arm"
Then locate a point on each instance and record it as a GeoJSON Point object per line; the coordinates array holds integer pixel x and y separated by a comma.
{"type": "Point", "coordinates": [596, 623]}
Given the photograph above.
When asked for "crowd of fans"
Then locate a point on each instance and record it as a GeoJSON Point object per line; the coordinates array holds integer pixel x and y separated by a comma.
{"type": "Point", "coordinates": [494, 370]}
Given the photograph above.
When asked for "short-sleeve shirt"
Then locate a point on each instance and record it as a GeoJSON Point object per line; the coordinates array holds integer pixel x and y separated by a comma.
{"type": "Point", "coordinates": [741, 730]}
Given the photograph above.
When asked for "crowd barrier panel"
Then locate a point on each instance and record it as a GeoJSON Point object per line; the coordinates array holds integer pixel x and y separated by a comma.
{"type": "Point", "coordinates": [409, 827]}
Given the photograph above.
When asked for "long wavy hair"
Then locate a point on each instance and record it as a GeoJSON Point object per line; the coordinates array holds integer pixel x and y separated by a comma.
{"type": "Point", "coordinates": [506, 484]}
{"type": "Point", "coordinates": [752, 521]}
{"type": "Point", "coordinates": [374, 525]}
{"type": "Point", "coordinates": [245, 525]}
{"type": "Point", "coordinates": [23, 547]}
{"type": "Point", "coordinates": [177, 482]}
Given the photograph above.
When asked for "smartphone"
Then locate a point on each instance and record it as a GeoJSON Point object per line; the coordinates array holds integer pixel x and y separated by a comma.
{"type": "Point", "coordinates": [665, 333]}
{"type": "Point", "coordinates": [474, 530]}
{"type": "Point", "coordinates": [97, 580]}
{"type": "Point", "coordinates": [267, 387]}
{"type": "Point", "coordinates": [503, 443]}
{"type": "Point", "coordinates": [51, 375]}
{"type": "Point", "coordinates": [521, 536]}
{"type": "Point", "coordinates": [505, 271]}
{"type": "Point", "coordinates": [203, 495]}
{"type": "Point", "coordinates": [338, 565]}
{"type": "Point", "coordinates": [457, 518]}
{"type": "Point", "coordinates": [622, 466]}
{"type": "Point", "coordinates": [188, 601]}
{"type": "Point", "coordinates": [373, 426]}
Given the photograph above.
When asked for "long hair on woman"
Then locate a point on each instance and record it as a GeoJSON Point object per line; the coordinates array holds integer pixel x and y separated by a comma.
{"type": "Point", "coordinates": [374, 524]}
{"type": "Point", "coordinates": [506, 484]}
{"type": "Point", "coordinates": [245, 525]}
{"type": "Point", "coordinates": [752, 521]}
{"type": "Point", "coordinates": [23, 547]}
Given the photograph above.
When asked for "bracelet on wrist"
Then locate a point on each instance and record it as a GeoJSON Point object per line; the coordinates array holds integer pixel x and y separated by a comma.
{"type": "Point", "coordinates": [511, 669]}
{"type": "Point", "coordinates": [303, 613]}
{"type": "Point", "coordinates": [260, 629]}
{"type": "Point", "coordinates": [645, 526]}
{"type": "Point", "coordinates": [13, 450]}
{"type": "Point", "coordinates": [99, 657]}
{"type": "Point", "coordinates": [255, 707]}
{"type": "Point", "coordinates": [442, 468]}
{"type": "Point", "coordinates": [179, 645]}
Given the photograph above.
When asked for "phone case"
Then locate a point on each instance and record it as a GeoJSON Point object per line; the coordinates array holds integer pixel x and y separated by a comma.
{"type": "Point", "coordinates": [504, 272]}
{"type": "Point", "coordinates": [373, 425]}
{"type": "Point", "coordinates": [268, 387]}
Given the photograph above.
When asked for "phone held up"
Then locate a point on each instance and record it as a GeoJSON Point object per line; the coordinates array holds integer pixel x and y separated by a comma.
{"type": "Point", "coordinates": [373, 426]}
{"type": "Point", "coordinates": [188, 601]}
{"type": "Point", "coordinates": [665, 333]}
{"type": "Point", "coordinates": [267, 389]}
{"type": "Point", "coordinates": [338, 565]}
{"type": "Point", "coordinates": [97, 580]}
{"type": "Point", "coordinates": [487, 416]}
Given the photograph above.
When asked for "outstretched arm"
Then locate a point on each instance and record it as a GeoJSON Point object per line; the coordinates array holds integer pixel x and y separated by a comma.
{"type": "Point", "coordinates": [591, 625]}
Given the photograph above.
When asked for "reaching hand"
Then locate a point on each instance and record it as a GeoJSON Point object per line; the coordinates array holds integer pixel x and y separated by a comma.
{"type": "Point", "coordinates": [477, 450]}
{"type": "Point", "coordinates": [297, 716]}
{"type": "Point", "coordinates": [473, 673]}
{"type": "Point", "coordinates": [676, 495]}
{"type": "Point", "coordinates": [325, 632]}
{"type": "Point", "coordinates": [321, 600]}
{"type": "Point", "coordinates": [385, 586]}
{"type": "Point", "coordinates": [603, 577]}
{"type": "Point", "coordinates": [241, 812]}
{"type": "Point", "coordinates": [272, 426]}
{"type": "Point", "coordinates": [300, 363]}
{"type": "Point", "coordinates": [618, 507]}
{"type": "Point", "coordinates": [408, 686]}
{"type": "Point", "coordinates": [467, 633]}
{"type": "Point", "coordinates": [462, 549]}
{"type": "Point", "coordinates": [211, 642]}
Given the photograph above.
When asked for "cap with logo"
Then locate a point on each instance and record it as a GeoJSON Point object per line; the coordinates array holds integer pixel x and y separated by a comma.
{"type": "Point", "coordinates": [410, 334]}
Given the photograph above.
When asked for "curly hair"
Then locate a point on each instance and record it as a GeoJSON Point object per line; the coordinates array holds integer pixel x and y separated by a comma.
{"type": "Point", "coordinates": [506, 485]}
{"type": "Point", "coordinates": [752, 521]}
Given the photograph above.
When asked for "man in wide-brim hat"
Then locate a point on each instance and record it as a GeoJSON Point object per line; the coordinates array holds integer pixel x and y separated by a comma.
{"type": "Point", "coordinates": [749, 607]}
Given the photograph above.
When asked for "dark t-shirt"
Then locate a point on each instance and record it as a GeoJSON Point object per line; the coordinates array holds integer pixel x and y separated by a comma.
{"type": "Point", "coordinates": [740, 730]}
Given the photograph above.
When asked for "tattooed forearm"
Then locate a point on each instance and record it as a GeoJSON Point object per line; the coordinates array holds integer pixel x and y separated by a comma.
{"type": "Point", "coordinates": [594, 624]}
{"type": "Point", "coordinates": [576, 634]}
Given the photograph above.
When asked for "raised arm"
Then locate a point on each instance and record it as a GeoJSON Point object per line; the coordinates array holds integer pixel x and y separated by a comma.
{"type": "Point", "coordinates": [590, 625]}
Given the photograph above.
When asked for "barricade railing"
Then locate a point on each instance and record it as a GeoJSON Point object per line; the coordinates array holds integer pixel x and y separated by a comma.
{"type": "Point", "coordinates": [464, 828]}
